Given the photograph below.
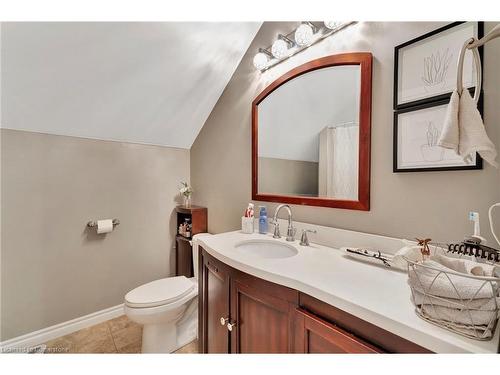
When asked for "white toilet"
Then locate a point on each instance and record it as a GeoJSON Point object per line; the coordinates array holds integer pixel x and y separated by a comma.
{"type": "Point", "coordinates": [168, 310]}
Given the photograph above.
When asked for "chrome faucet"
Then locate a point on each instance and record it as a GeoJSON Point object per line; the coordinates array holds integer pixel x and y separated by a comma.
{"type": "Point", "coordinates": [290, 233]}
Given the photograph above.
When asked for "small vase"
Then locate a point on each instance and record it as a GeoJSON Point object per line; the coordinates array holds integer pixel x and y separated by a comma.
{"type": "Point", "coordinates": [187, 201]}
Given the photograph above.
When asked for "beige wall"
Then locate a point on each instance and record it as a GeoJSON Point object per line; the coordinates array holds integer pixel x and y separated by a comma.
{"type": "Point", "coordinates": [434, 204]}
{"type": "Point", "coordinates": [53, 268]}
{"type": "Point", "coordinates": [289, 177]}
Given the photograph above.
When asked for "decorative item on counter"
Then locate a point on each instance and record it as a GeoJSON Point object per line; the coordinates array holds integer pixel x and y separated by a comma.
{"type": "Point", "coordinates": [411, 251]}
{"type": "Point", "coordinates": [247, 220]}
{"type": "Point", "coordinates": [186, 191]}
{"type": "Point", "coordinates": [458, 294]}
{"type": "Point", "coordinates": [452, 289]}
{"type": "Point", "coordinates": [371, 256]}
{"type": "Point", "coordinates": [263, 224]}
{"type": "Point", "coordinates": [424, 243]}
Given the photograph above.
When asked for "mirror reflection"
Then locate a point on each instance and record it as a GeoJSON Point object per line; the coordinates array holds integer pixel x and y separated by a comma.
{"type": "Point", "coordinates": [308, 135]}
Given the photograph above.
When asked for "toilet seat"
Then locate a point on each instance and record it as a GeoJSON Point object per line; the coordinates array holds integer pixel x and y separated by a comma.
{"type": "Point", "coordinates": [159, 292]}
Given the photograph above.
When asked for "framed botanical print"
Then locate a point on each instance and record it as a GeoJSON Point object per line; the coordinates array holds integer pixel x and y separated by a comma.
{"type": "Point", "coordinates": [416, 132]}
{"type": "Point", "coordinates": [425, 68]}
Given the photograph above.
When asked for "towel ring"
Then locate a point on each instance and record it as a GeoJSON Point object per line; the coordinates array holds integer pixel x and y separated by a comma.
{"type": "Point", "coordinates": [460, 68]}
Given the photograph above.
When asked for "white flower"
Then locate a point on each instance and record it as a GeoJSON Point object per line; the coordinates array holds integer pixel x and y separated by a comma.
{"type": "Point", "coordinates": [185, 189]}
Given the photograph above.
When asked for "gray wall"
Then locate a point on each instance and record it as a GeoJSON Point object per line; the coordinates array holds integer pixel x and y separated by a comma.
{"type": "Point", "coordinates": [289, 177]}
{"type": "Point", "coordinates": [405, 205]}
{"type": "Point", "coordinates": [304, 104]}
{"type": "Point", "coordinates": [53, 268]}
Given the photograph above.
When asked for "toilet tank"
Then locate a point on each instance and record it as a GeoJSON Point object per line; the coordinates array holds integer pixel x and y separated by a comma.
{"type": "Point", "coordinates": [195, 246]}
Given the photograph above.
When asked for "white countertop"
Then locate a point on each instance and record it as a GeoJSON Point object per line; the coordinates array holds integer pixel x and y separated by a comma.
{"type": "Point", "coordinates": [372, 293]}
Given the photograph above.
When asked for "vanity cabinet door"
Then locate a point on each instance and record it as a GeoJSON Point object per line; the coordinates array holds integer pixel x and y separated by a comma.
{"type": "Point", "coordinates": [314, 335]}
{"type": "Point", "coordinates": [259, 321]}
{"type": "Point", "coordinates": [214, 305]}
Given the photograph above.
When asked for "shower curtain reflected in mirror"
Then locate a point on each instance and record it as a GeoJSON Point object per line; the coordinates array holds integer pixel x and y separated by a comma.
{"type": "Point", "coordinates": [338, 161]}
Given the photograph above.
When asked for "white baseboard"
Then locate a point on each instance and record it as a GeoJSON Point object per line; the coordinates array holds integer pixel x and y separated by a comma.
{"type": "Point", "coordinates": [61, 329]}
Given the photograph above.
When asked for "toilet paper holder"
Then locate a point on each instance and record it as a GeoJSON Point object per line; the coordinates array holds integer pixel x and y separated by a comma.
{"type": "Point", "coordinates": [93, 223]}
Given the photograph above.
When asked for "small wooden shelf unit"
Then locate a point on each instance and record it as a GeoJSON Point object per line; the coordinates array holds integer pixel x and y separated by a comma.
{"type": "Point", "coordinates": [183, 248]}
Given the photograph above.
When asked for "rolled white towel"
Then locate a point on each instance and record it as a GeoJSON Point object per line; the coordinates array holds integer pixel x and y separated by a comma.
{"type": "Point", "coordinates": [438, 283]}
{"type": "Point", "coordinates": [481, 332]}
{"type": "Point", "coordinates": [466, 266]}
{"type": "Point", "coordinates": [412, 252]}
{"type": "Point", "coordinates": [485, 304]}
{"type": "Point", "coordinates": [466, 316]}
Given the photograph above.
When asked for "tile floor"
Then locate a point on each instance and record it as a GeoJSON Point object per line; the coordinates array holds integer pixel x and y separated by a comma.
{"type": "Point", "coordinates": [119, 335]}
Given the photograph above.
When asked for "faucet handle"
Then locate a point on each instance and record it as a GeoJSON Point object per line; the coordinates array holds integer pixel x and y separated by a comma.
{"type": "Point", "coordinates": [276, 228]}
{"type": "Point", "coordinates": [304, 241]}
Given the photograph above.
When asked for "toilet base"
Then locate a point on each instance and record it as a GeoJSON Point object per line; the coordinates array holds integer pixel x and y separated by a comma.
{"type": "Point", "coordinates": [170, 336]}
{"type": "Point", "coordinates": [159, 338]}
{"type": "Point", "coordinates": [167, 328]}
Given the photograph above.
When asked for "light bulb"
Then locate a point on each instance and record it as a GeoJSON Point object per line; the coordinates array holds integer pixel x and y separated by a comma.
{"type": "Point", "coordinates": [332, 25]}
{"type": "Point", "coordinates": [304, 35]}
{"type": "Point", "coordinates": [260, 60]}
{"type": "Point", "coordinates": [279, 49]}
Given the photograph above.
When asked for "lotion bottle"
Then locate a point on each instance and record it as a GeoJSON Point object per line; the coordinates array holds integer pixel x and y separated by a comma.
{"type": "Point", "coordinates": [262, 220]}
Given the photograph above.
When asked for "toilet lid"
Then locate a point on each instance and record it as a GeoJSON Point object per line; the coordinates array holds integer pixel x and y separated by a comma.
{"type": "Point", "coordinates": [159, 292]}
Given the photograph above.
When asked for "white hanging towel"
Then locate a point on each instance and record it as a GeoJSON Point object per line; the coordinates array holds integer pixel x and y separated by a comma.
{"type": "Point", "coordinates": [463, 130]}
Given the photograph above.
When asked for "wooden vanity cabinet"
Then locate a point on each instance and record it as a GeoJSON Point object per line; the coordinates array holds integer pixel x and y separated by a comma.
{"type": "Point", "coordinates": [213, 294]}
{"type": "Point", "coordinates": [385, 341]}
{"type": "Point", "coordinates": [262, 317]}
{"type": "Point", "coordinates": [261, 312]}
{"type": "Point", "coordinates": [314, 335]}
{"type": "Point", "coordinates": [256, 313]}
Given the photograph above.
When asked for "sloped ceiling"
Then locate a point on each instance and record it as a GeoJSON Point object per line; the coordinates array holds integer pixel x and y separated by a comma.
{"type": "Point", "coordinates": [153, 83]}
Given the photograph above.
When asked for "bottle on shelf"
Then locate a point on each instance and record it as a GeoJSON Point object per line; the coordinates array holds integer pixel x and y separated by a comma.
{"type": "Point", "coordinates": [187, 232]}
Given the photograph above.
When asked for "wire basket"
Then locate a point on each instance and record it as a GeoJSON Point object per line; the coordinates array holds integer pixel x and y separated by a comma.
{"type": "Point", "coordinates": [459, 302]}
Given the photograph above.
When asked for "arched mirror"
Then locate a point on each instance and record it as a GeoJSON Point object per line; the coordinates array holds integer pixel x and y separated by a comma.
{"type": "Point", "coordinates": [311, 134]}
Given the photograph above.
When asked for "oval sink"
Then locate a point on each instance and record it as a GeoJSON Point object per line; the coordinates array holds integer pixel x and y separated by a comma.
{"type": "Point", "coordinates": [267, 249]}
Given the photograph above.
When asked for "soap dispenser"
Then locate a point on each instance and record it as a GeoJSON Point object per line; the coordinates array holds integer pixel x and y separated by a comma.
{"type": "Point", "coordinates": [262, 220]}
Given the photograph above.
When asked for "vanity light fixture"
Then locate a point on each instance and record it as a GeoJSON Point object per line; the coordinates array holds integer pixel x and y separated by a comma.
{"type": "Point", "coordinates": [332, 25]}
{"type": "Point", "coordinates": [281, 46]}
{"type": "Point", "coordinates": [305, 35]}
{"type": "Point", "coordinates": [261, 59]}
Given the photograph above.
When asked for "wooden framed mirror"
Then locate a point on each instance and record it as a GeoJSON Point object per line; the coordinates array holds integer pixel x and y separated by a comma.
{"type": "Point", "coordinates": [311, 134]}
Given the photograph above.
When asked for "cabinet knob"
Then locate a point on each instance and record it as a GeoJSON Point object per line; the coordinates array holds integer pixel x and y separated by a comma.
{"type": "Point", "coordinates": [231, 325]}
{"type": "Point", "coordinates": [223, 321]}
